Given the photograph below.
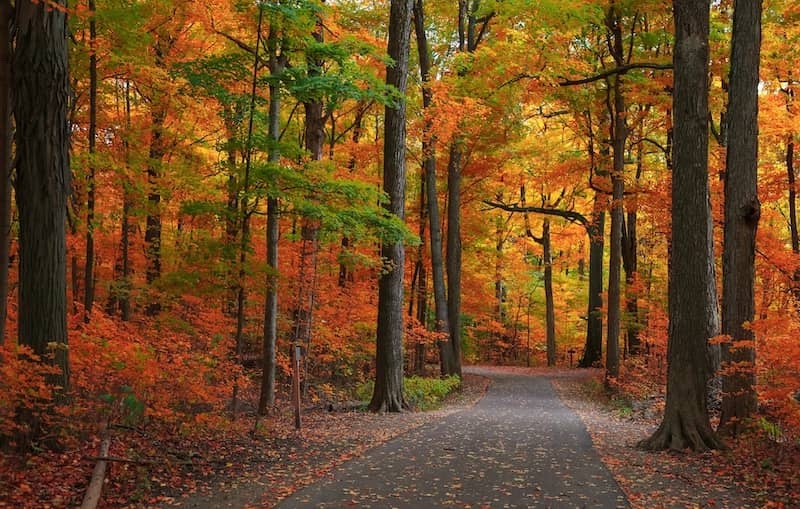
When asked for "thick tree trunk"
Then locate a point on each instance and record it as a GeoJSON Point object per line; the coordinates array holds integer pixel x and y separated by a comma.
{"type": "Point", "coordinates": [550, 314]}
{"type": "Point", "coordinates": [388, 393]}
{"type": "Point", "coordinates": [593, 349]}
{"type": "Point", "coordinates": [453, 259]}
{"type": "Point", "coordinates": [692, 307]}
{"type": "Point", "coordinates": [742, 212]}
{"type": "Point", "coordinates": [41, 95]}
{"type": "Point", "coordinates": [88, 271]}
{"type": "Point", "coordinates": [6, 12]}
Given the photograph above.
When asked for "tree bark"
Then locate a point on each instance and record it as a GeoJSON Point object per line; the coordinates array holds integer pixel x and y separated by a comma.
{"type": "Point", "coordinates": [41, 96]}
{"type": "Point", "coordinates": [692, 307]}
{"type": "Point", "coordinates": [6, 12]}
{"type": "Point", "coordinates": [793, 231]}
{"type": "Point", "coordinates": [152, 234]}
{"type": "Point", "coordinates": [593, 349]}
{"type": "Point", "coordinates": [267, 397]}
{"type": "Point", "coordinates": [429, 168]}
{"type": "Point", "coordinates": [453, 259]}
{"type": "Point", "coordinates": [388, 393]}
{"type": "Point", "coordinates": [742, 212]}
{"type": "Point", "coordinates": [550, 315]}
{"type": "Point", "coordinates": [244, 217]}
{"type": "Point", "coordinates": [619, 135]}
{"type": "Point", "coordinates": [127, 227]}
{"type": "Point", "coordinates": [88, 272]}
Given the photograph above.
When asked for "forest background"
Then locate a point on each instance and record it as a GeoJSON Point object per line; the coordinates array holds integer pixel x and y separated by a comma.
{"type": "Point", "coordinates": [227, 170]}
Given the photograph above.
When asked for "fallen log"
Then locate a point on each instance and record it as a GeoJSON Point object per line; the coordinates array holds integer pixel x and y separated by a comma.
{"type": "Point", "coordinates": [92, 496]}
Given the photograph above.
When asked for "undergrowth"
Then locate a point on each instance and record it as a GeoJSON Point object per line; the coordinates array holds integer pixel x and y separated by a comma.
{"type": "Point", "coordinates": [419, 392]}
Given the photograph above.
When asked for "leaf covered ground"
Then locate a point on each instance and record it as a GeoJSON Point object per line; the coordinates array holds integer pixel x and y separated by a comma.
{"type": "Point", "coordinates": [756, 472]}
{"type": "Point", "coordinates": [233, 467]}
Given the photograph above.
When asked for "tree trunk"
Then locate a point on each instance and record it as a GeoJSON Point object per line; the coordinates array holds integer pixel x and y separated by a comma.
{"type": "Point", "coordinates": [630, 261]}
{"type": "Point", "coordinates": [244, 217]}
{"type": "Point", "coordinates": [453, 259]}
{"type": "Point", "coordinates": [6, 12]}
{"type": "Point", "coordinates": [388, 393]}
{"type": "Point", "coordinates": [795, 237]}
{"type": "Point", "coordinates": [429, 168]}
{"type": "Point", "coordinates": [742, 212]}
{"type": "Point", "coordinates": [420, 293]}
{"type": "Point", "coordinates": [127, 228]}
{"type": "Point", "coordinates": [267, 397]}
{"type": "Point", "coordinates": [231, 215]}
{"type": "Point", "coordinates": [549, 305]}
{"type": "Point", "coordinates": [41, 95]}
{"type": "Point", "coordinates": [593, 349]}
{"type": "Point", "coordinates": [619, 135]}
{"type": "Point", "coordinates": [692, 307]}
{"type": "Point", "coordinates": [152, 235]}
{"type": "Point", "coordinates": [88, 272]}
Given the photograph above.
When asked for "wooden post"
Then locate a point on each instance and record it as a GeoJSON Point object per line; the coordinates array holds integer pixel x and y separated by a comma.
{"type": "Point", "coordinates": [296, 354]}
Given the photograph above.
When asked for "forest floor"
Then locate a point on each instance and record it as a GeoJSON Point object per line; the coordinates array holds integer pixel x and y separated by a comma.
{"type": "Point", "coordinates": [759, 474]}
{"type": "Point", "coordinates": [231, 467]}
{"type": "Point", "coordinates": [757, 471]}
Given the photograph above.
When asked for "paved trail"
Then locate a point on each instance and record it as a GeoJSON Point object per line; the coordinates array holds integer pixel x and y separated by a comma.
{"type": "Point", "coordinates": [518, 447]}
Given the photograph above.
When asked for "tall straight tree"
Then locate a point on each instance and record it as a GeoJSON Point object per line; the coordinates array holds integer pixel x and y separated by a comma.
{"type": "Point", "coordinates": [742, 211]}
{"type": "Point", "coordinates": [40, 80]}
{"type": "Point", "coordinates": [388, 393]}
{"type": "Point", "coordinates": [692, 304]}
{"type": "Point", "coordinates": [429, 169]}
{"type": "Point", "coordinates": [277, 63]}
{"type": "Point", "coordinates": [6, 12]}
{"type": "Point", "coordinates": [88, 297]}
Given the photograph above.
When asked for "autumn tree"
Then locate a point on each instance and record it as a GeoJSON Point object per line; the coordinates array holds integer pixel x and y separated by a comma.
{"type": "Point", "coordinates": [472, 26]}
{"type": "Point", "coordinates": [429, 171]}
{"type": "Point", "coordinates": [6, 12]}
{"type": "Point", "coordinates": [692, 308]}
{"type": "Point", "coordinates": [91, 178]}
{"type": "Point", "coordinates": [388, 392]}
{"type": "Point", "coordinates": [742, 212]}
{"type": "Point", "coordinates": [41, 96]}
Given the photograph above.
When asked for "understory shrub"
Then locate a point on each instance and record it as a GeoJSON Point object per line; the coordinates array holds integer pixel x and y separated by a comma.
{"type": "Point", "coordinates": [419, 392]}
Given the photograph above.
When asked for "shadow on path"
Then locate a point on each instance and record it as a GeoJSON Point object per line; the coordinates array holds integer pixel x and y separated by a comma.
{"type": "Point", "coordinates": [518, 447]}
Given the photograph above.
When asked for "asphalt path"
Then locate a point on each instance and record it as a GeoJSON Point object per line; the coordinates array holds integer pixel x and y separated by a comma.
{"type": "Point", "coordinates": [520, 446]}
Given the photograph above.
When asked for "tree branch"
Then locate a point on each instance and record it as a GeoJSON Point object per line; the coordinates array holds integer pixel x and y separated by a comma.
{"type": "Point", "coordinates": [570, 215]}
{"type": "Point", "coordinates": [620, 69]}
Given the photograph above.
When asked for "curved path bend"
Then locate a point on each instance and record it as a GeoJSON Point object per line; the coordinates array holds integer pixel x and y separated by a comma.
{"type": "Point", "coordinates": [520, 446]}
